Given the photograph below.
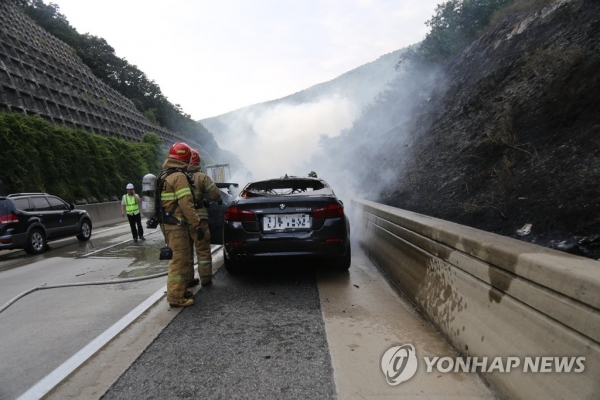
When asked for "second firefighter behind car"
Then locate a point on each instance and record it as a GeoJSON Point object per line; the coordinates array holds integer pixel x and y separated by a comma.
{"type": "Point", "coordinates": [180, 217]}
{"type": "Point", "coordinates": [204, 190]}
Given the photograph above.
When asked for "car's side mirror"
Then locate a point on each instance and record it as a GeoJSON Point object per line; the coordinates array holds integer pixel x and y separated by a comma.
{"type": "Point", "coordinates": [72, 206]}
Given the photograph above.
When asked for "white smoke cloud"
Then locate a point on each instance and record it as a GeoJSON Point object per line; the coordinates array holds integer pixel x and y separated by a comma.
{"type": "Point", "coordinates": [287, 135]}
{"type": "Point", "coordinates": [360, 142]}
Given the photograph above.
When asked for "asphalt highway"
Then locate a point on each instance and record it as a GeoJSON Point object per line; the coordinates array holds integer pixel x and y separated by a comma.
{"type": "Point", "coordinates": [256, 335]}
{"type": "Point", "coordinates": [292, 331]}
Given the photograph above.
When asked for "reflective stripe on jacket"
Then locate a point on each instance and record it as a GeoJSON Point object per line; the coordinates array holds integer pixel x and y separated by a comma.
{"type": "Point", "coordinates": [176, 195]}
{"type": "Point", "coordinates": [131, 204]}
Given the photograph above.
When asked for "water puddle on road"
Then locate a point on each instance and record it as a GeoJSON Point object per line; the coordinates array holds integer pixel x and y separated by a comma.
{"type": "Point", "coordinates": [144, 256]}
{"type": "Point", "coordinates": [139, 271]}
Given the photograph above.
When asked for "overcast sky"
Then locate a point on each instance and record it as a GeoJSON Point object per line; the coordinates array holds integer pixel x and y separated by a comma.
{"type": "Point", "coordinates": [214, 56]}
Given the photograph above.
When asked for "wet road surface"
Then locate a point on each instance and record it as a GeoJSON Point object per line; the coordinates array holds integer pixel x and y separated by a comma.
{"type": "Point", "coordinates": [43, 329]}
{"type": "Point", "coordinates": [257, 335]}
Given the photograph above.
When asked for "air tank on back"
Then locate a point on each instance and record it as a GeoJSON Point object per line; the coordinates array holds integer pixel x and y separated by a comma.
{"type": "Point", "coordinates": [149, 195]}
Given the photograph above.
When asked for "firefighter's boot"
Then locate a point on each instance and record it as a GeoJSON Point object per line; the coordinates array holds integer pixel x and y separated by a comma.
{"type": "Point", "coordinates": [184, 303]}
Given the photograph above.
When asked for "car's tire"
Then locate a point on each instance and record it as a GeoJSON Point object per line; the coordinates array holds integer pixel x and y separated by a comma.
{"type": "Point", "coordinates": [85, 231]}
{"type": "Point", "coordinates": [36, 243]}
{"type": "Point", "coordinates": [232, 266]}
{"type": "Point", "coordinates": [343, 263]}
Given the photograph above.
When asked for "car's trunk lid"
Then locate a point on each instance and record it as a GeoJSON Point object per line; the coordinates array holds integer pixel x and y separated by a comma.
{"type": "Point", "coordinates": [285, 213]}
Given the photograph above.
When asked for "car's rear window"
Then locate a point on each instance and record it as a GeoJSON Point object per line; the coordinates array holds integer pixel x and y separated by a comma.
{"type": "Point", "coordinates": [22, 204]}
{"type": "Point", "coordinates": [285, 186]}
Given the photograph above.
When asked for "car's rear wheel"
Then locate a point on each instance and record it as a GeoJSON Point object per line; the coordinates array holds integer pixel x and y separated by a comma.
{"type": "Point", "coordinates": [232, 266]}
{"type": "Point", "coordinates": [36, 243]}
{"type": "Point", "coordinates": [343, 263]}
{"type": "Point", "coordinates": [85, 231]}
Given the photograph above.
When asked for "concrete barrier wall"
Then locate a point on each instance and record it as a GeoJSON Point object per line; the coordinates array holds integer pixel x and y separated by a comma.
{"type": "Point", "coordinates": [103, 214]}
{"type": "Point", "coordinates": [491, 296]}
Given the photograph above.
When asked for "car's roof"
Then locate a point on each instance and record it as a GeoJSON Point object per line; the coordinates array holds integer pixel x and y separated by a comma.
{"type": "Point", "coordinates": [287, 180]}
{"type": "Point", "coordinates": [288, 186]}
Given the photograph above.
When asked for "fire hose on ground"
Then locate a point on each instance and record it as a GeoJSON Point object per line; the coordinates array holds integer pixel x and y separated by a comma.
{"type": "Point", "coordinates": [74, 284]}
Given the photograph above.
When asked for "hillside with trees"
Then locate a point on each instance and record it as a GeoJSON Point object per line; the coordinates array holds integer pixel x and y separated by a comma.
{"type": "Point", "coordinates": [493, 122]}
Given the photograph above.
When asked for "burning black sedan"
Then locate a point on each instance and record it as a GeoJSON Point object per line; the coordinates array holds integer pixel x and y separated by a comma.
{"type": "Point", "coordinates": [286, 217]}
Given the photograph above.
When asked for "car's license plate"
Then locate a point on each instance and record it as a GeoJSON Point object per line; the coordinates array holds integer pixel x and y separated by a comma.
{"type": "Point", "coordinates": [272, 222]}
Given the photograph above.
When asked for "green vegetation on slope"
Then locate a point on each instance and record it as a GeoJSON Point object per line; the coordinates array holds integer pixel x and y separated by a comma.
{"type": "Point", "coordinates": [72, 164]}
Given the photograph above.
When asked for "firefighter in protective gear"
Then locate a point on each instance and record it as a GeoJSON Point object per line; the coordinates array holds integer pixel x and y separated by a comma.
{"type": "Point", "coordinates": [312, 174]}
{"type": "Point", "coordinates": [204, 190]}
{"type": "Point", "coordinates": [176, 198]}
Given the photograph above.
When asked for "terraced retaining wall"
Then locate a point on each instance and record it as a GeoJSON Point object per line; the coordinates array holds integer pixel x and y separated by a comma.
{"type": "Point", "coordinates": [41, 75]}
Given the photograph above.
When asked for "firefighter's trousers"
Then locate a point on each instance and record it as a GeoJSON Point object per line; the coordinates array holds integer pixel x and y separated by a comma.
{"type": "Point", "coordinates": [202, 248]}
{"type": "Point", "coordinates": [177, 238]}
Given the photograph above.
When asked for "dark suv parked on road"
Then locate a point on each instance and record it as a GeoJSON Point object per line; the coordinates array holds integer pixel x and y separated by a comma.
{"type": "Point", "coordinates": [29, 220]}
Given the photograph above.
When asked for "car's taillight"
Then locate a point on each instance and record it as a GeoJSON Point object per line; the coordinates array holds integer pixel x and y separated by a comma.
{"type": "Point", "coordinates": [333, 210]}
{"type": "Point", "coordinates": [235, 214]}
{"type": "Point", "coordinates": [9, 219]}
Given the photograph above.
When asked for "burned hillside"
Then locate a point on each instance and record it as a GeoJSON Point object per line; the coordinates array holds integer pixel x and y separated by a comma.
{"type": "Point", "coordinates": [508, 140]}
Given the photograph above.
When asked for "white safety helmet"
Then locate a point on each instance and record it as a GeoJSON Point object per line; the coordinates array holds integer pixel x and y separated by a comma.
{"type": "Point", "coordinates": [129, 186]}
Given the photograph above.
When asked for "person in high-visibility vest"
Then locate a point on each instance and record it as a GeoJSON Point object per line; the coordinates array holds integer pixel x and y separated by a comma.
{"type": "Point", "coordinates": [130, 205]}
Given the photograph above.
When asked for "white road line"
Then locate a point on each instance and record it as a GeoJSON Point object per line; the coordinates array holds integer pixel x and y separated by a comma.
{"type": "Point", "coordinates": [65, 239]}
{"type": "Point", "coordinates": [54, 378]}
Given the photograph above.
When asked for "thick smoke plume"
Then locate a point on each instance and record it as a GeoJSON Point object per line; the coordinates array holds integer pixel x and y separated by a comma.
{"type": "Point", "coordinates": [360, 146]}
{"type": "Point", "coordinates": [372, 154]}
{"type": "Point", "coordinates": [281, 138]}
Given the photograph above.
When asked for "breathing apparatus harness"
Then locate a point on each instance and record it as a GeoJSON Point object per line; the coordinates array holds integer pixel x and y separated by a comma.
{"type": "Point", "coordinates": [161, 216]}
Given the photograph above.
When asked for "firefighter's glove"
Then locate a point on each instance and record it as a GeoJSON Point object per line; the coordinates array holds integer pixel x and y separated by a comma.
{"type": "Point", "coordinates": [199, 232]}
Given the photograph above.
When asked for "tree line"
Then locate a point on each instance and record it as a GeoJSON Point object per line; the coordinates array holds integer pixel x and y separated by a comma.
{"type": "Point", "coordinates": [457, 23]}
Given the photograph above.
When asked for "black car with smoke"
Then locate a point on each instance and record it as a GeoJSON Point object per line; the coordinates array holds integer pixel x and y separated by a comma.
{"type": "Point", "coordinates": [286, 217]}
